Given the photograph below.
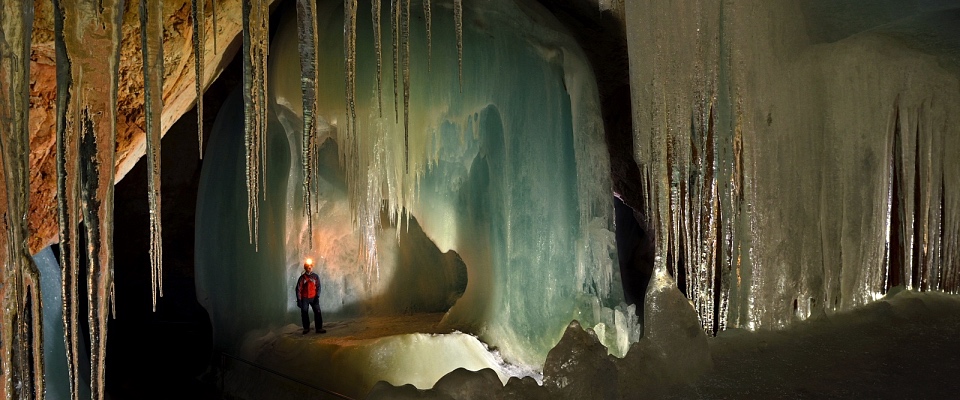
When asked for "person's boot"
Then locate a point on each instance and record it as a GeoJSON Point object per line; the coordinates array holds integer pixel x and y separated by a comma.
{"type": "Point", "coordinates": [306, 331]}
{"type": "Point", "coordinates": [321, 330]}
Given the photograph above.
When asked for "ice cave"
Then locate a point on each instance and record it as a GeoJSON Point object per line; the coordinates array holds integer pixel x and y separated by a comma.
{"type": "Point", "coordinates": [517, 199]}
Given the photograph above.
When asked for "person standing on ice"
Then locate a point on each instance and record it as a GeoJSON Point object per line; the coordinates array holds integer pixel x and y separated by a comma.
{"type": "Point", "coordinates": [308, 295]}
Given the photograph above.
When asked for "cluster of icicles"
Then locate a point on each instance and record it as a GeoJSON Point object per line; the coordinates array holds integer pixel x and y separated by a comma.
{"type": "Point", "coordinates": [87, 40]}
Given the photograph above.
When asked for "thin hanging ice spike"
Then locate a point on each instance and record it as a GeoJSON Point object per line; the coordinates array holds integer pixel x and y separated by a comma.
{"type": "Point", "coordinates": [406, 84]}
{"type": "Point", "coordinates": [88, 44]}
{"type": "Point", "coordinates": [67, 205]}
{"type": "Point", "coordinates": [350, 57]}
{"type": "Point", "coordinates": [309, 78]}
{"type": "Point", "coordinates": [255, 37]}
{"type": "Point", "coordinates": [427, 16]}
{"type": "Point", "coordinates": [395, 32]}
{"type": "Point", "coordinates": [458, 22]}
{"type": "Point", "coordinates": [151, 42]}
{"type": "Point", "coordinates": [375, 6]}
{"type": "Point", "coordinates": [21, 336]}
{"type": "Point", "coordinates": [199, 44]}
{"type": "Point", "coordinates": [213, 17]}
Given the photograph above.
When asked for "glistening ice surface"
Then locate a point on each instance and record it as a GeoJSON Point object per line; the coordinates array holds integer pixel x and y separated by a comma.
{"type": "Point", "coordinates": [509, 182]}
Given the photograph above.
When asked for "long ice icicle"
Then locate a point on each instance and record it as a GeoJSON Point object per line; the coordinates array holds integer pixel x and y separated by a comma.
{"type": "Point", "coordinates": [255, 37]}
{"type": "Point", "coordinates": [427, 16]}
{"type": "Point", "coordinates": [151, 41]}
{"type": "Point", "coordinates": [395, 32]}
{"type": "Point", "coordinates": [67, 202]}
{"type": "Point", "coordinates": [21, 336]}
{"type": "Point", "coordinates": [199, 44]}
{"type": "Point", "coordinates": [309, 78]}
{"type": "Point", "coordinates": [213, 17]}
{"type": "Point", "coordinates": [88, 47]}
{"type": "Point", "coordinates": [406, 85]}
{"type": "Point", "coordinates": [375, 7]}
{"type": "Point", "coordinates": [458, 23]}
{"type": "Point", "coordinates": [350, 57]}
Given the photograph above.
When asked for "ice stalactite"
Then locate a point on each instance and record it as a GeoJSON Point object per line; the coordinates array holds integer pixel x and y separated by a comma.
{"type": "Point", "coordinates": [309, 78]}
{"type": "Point", "coordinates": [256, 15]}
{"type": "Point", "coordinates": [772, 208]}
{"type": "Point", "coordinates": [428, 16]}
{"type": "Point", "coordinates": [151, 44]}
{"type": "Point", "coordinates": [213, 18]}
{"type": "Point", "coordinates": [395, 39]}
{"type": "Point", "coordinates": [350, 59]}
{"type": "Point", "coordinates": [88, 44]}
{"type": "Point", "coordinates": [199, 45]}
{"type": "Point", "coordinates": [375, 10]}
{"type": "Point", "coordinates": [67, 205]}
{"type": "Point", "coordinates": [21, 335]}
{"type": "Point", "coordinates": [458, 23]}
{"type": "Point", "coordinates": [405, 38]}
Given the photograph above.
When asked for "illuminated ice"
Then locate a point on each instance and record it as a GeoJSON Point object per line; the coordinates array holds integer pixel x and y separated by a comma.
{"type": "Point", "coordinates": [496, 210]}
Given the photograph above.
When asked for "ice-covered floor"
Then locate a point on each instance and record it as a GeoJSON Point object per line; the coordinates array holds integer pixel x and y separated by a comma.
{"type": "Point", "coordinates": [354, 354]}
{"type": "Point", "coordinates": [904, 346]}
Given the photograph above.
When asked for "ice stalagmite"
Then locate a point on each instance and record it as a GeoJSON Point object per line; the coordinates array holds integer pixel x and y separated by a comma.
{"type": "Point", "coordinates": [255, 37]}
{"type": "Point", "coordinates": [151, 41]}
{"type": "Point", "coordinates": [88, 41]}
{"type": "Point", "coordinates": [199, 45]}
{"type": "Point", "coordinates": [21, 335]}
{"type": "Point", "coordinates": [307, 39]}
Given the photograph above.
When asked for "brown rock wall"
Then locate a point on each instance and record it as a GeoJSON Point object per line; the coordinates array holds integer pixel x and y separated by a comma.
{"type": "Point", "coordinates": [178, 94]}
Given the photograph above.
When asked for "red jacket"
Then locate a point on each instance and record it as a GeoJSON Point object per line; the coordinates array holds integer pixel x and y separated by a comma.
{"type": "Point", "coordinates": [308, 286]}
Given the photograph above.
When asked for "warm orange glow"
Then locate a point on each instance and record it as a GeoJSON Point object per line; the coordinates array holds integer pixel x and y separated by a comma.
{"type": "Point", "coordinates": [309, 261]}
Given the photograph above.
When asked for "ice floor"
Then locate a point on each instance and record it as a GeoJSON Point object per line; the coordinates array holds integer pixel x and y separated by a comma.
{"type": "Point", "coordinates": [353, 355]}
{"type": "Point", "coordinates": [904, 346]}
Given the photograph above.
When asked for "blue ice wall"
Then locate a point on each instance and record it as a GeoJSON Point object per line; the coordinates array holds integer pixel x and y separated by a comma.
{"type": "Point", "coordinates": [511, 174]}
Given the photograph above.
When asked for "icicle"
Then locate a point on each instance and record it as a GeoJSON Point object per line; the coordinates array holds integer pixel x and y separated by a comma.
{"type": "Point", "coordinates": [199, 42]}
{"type": "Point", "coordinates": [375, 7]}
{"type": "Point", "coordinates": [213, 16]}
{"type": "Point", "coordinates": [67, 205]}
{"type": "Point", "coordinates": [395, 28]}
{"type": "Point", "coordinates": [427, 16]}
{"type": "Point", "coordinates": [458, 22]}
{"type": "Point", "coordinates": [307, 34]}
{"type": "Point", "coordinates": [91, 55]}
{"type": "Point", "coordinates": [406, 85]}
{"type": "Point", "coordinates": [255, 32]}
{"type": "Point", "coordinates": [151, 41]}
{"type": "Point", "coordinates": [350, 50]}
{"type": "Point", "coordinates": [19, 277]}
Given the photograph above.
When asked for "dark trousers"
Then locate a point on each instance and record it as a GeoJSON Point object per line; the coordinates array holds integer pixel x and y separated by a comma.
{"type": "Point", "coordinates": [317, 317]}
